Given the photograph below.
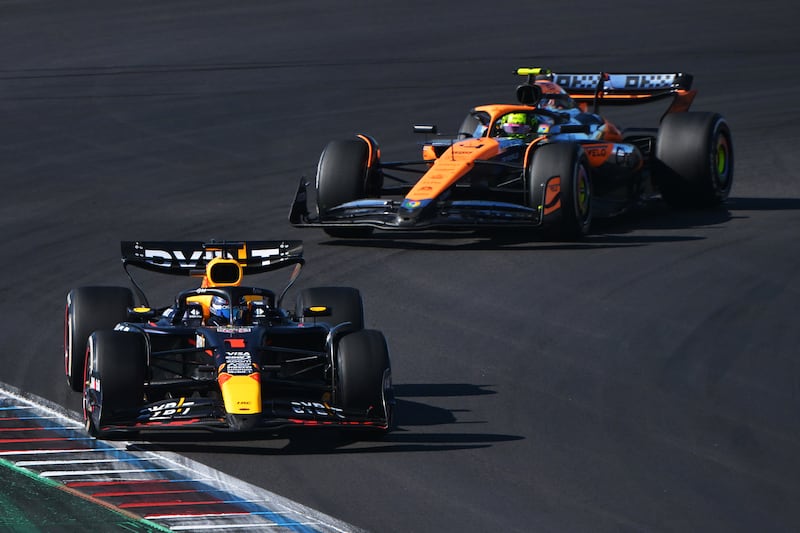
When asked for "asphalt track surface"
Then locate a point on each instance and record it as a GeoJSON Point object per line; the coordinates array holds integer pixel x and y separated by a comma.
{"type": "Point", "coordinates": [645, 379]}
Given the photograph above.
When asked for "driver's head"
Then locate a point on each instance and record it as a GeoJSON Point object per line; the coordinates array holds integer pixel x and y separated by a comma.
{"type": "Point", "coordinates": [516, 125]}
{"type": "Point", "coordinates": [220, 311]}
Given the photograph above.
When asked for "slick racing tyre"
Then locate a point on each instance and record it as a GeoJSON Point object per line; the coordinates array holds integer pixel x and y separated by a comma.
{"type": "Point", "coordinates": [343, 175]}
{"type": "Point", "coordinates": [363, 373]}
{"type": "Point", "coordinates": [694, 160]}
{"type": "Point", "coordinates": [116, 369]}
{"type": "Point", "coordinates": [559, 185]}
{"type": "Point", "coordinates": [90, 309]}
{"type": "Point", "coordinates": [344, 305]}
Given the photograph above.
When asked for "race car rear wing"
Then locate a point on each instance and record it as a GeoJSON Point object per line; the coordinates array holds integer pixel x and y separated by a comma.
{"type": "Point", "coordinates": [620, 88]}
{"type": "Point", "coordinates": [186, 258]}
{"type": "Point", "coordinates": [189, 258]}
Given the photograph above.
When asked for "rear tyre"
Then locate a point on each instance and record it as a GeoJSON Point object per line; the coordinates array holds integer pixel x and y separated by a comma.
{"type": "Point", "coordinates": [343, 176]}
{"type": "Point", "coordinates": [363, 376]}
{"type": "Point", "coordinates": [116, 369]}
{"type": "Point", "coordinates": [90, 309]}
{"type": "Point", "coordinates": [694, 160]}
{"type": "Point", "coordinates": [560, 187]}
{"type": "Point", "coordinates": [345, 305]}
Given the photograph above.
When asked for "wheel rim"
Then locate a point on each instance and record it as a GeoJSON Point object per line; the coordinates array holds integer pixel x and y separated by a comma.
{"type": "Point", "coordinates": [722, 162]}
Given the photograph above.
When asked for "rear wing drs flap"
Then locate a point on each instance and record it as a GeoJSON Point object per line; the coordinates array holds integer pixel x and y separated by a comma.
{"type": "Point", "coordinates": [620, 88]}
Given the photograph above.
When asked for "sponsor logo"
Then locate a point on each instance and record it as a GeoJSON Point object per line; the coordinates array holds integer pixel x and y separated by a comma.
{"type": "Point", "coordinates": [238, 363]}
{"type": "Point", "coordinates": [632, 81]}
{"type": "Point", "coordinates": [597, 152]}
{"type": "Point", "coordinates": [316, 409]}
{"type": "Point", "coordinates": [195, 258]}
{"type": "Point", "coordinates": [226, 329]}
{"type": "Point", "coordinates": [649, 81]}
{"type": "Point", "coordinates": [581, 81]}
{"type": "Point", "coordinates": [169, 409]}
{"type": "Point", "coordinates": [467, 149]}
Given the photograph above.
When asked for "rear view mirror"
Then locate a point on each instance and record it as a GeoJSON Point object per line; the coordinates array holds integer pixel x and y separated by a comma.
{"type": "Point", "coordinates": [529, 94]}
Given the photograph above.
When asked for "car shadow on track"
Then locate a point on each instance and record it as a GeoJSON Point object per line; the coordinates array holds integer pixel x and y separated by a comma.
{"type": "Point", "coordinates": [637, 227]}
{"type": "Point", "coordinates": [763, 204]}
{"type": "Point", "coordinates": [413, 421]}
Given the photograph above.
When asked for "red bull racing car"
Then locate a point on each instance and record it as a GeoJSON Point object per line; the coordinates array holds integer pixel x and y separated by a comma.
{"type": "Point", "coordinates": [550, 162]}
{"type": "Point", "coordinates": [224, 356]}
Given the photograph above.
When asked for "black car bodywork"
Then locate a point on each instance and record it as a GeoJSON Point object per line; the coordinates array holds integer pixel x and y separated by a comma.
{"type": "Point", "coordinates": [257, 366]}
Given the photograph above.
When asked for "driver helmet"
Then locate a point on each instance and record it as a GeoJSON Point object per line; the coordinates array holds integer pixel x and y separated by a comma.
{"type": "Point", "coordinates": [220, 309]}
{"type": "Point", "coordinates": [516, 125]}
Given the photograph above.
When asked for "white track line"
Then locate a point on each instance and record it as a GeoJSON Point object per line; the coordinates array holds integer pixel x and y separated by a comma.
{"type": "Point", "coordinates": [281, 508]}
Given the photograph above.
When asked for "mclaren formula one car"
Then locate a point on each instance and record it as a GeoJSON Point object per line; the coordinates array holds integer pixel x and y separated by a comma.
{"type": "Point", "coordinates": [550, 161]}
{"type": "Point", "coordinates": [224, 356]}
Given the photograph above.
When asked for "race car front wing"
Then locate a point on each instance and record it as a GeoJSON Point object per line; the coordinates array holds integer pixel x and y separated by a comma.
{"type": "Point", "coordinates": [209, 414]}
{"type": "Point", "coordinates": [389, 214]}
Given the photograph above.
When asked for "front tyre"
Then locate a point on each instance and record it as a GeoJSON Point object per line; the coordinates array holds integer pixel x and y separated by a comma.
{"type": "Point", "coordinates": [559, 185]}
{"type": "Point", "coordinates": [344, 175]}
{"type": "Point", "coordinates": [116, 370]}
{"type": "Point", "coordinates": [694, 159]}
{"type": "Point", "coordinates": [363, 374]}
{"type": "Point", "coordinates": [90, 309]}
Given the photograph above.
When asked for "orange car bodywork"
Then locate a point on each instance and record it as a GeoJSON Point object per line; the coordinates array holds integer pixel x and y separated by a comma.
{"type": "Point", "coordinates": [459, 159]}
{"type": "Point", "coordinates": [482, 177]}
{"type": "Point", "coordinates": [451, 166]}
